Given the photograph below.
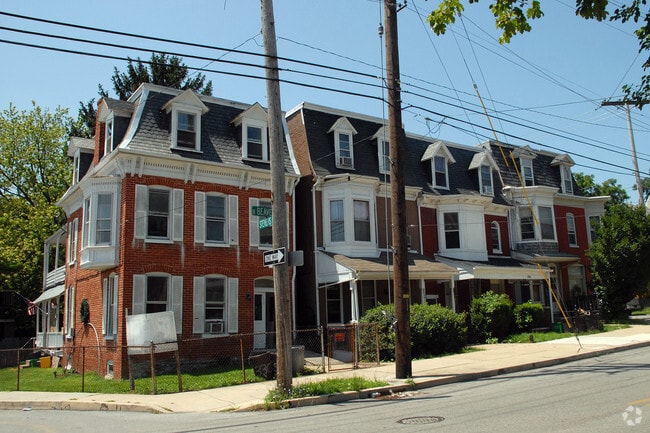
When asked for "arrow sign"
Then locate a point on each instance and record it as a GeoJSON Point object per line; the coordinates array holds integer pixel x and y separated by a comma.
{"type": "Point", "coordinates": [274, 257]}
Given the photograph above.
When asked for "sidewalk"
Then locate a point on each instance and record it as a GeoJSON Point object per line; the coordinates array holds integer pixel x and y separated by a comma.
{"type": "Point", "coordinates": [491, 360]}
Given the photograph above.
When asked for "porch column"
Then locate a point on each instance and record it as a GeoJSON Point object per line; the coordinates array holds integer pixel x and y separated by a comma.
{"type": "Point", "coordinates": [423, 291]}
{"type": "Point", "coordinates": [453, 298]}
{"type": "Point", "coordinates": [354, 301]}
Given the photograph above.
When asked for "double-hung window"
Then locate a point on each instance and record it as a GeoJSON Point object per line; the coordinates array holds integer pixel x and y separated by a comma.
{"type": "Point", "coordinates": [546, 224]}
{"type": "Point", "coordinates": [261, 223]}
{"type": "Point", "coordinates": [108, 136]}
{"type": "Point", "coordinates": [73, 237]}
{"type": "Point", "coordinates": [527, 171]}
{"type": "Point", "coordinates": [526, 223]}
{"type": "Point", "coordinates": [109, 323]}
{"type": "Point", "coordinates": [103, 224]}
{"type": "Point", "coordinates": [337, 221]}
{"type": "Point", "coordinates": [186, 129]}
{"type": "Point", "coordinates": [343, 132]}
{"type": "Point", "coordinates": [361, 220]}
{"type": "Point", "coordinates": [440, 176]}
{"type": "Point", "coordinates": [159, 213]}
{"type": "Point", "coordinates": [186, 111]}
{"type": "Point", "coordinates": [256, 143]}
{"type": "Point", "coordinates": [567, 179]}
{"type": "Point", "coordinates": [158, 292]}
{"type": "Point", "coordinates": [571, 229]}
{"type": "Point", "coordinates": [215, 219]}
{"type": "Point", "coordinates": [495, 235]}
{"type": "Point", "coordinates": [452, 230]}
{"type": "Point", "coordinates": [486, 180]}
{"type": "Point", "coordinates": [216, 308]}
{"type": "Point", "coordinates": [384, 156]}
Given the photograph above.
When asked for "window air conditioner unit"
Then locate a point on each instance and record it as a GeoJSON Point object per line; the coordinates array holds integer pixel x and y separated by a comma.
{"type": "Point", "coordinates": [345, 161]}
{"type": "Point", "coordinates": [215, 327]}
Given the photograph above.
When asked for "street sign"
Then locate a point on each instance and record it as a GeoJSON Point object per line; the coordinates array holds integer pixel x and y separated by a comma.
{"type": "Point", "coordinates": [262, 211]}
{"type": "Point", "coordinates": [265, 222]}
{"type": "Point", "coordinates": [274, 257]}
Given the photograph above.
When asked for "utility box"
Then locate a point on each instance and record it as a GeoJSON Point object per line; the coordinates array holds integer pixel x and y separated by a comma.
{"type": "Point", "coordinates": [46, 362]}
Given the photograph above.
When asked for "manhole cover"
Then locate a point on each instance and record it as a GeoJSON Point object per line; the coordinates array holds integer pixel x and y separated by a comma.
{"type": "Point", "coordinates": [421, 420]}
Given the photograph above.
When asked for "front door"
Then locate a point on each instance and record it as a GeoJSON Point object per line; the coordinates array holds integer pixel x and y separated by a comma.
{"type": "Point", "coordinates": [264, 324]}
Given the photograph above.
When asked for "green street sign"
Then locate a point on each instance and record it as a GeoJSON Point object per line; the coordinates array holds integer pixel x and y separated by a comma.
{"type": "Point", "coordinates": [265, 223]}
{"type": "Point", "coordinates": [262, 211]}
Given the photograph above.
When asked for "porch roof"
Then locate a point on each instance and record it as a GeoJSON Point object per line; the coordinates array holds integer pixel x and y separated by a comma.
{"type": "Point", "coordinates": [496, 268]}
{"type": "Point", "coordinates": [380, 268]}
{"type": "Point", "coordinates": [50, 293]}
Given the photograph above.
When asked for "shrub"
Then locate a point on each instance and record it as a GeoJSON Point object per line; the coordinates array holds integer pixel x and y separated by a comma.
{"type": "Point", "coordinates": [490, 316]}
{"type": "Point", "coordinates": [528, 315]}
{"type": "Point", "coordinates": [436, 330]}
{"type": "Point", "coordinates": [383, 316]}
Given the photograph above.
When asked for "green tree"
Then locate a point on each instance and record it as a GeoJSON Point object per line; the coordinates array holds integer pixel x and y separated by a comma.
{"type": "Point", "coordinates": [169, 71]}
{"type": "Point", "coordinates": [620, 256]}
{"type": "Point", "coordinates": [515, 16]}
{"type": "Point", "coordinates": [34, 172]}
{"type": "Point", "coordinates": [645, 187]}
{"type": "Point", "coordinates": [610, 187]}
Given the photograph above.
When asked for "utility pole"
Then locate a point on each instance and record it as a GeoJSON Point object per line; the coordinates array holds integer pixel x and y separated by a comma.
{"type": "Point", "coordinates": [396, 135]}
{"type": "Point", "coordinates": [635, 165]}
{"type": "Point", "coordinates": [278, 201]}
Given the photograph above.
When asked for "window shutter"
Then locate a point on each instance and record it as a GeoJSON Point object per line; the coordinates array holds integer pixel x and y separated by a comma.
{"type": "Point", "coordinates": [105, 301]}
{"type": "Point", "coordinates": [233, 219]}
{"type": "Point", "coordinates": [139, 294]}
{"type": "Point", "coordinates": [141, 205]}
{"type": "Point", "coordinates": [233, 305]}
{"type": "Point", "coordinates": [254, 239]}
{"type": "Point", "coordinates": [115, 300]}
{"type": "Point", "coordinates": [198, 326]}
{"type": "Point", "coordinates": [177, 302]}
{"type": "Point", "coordinates": [177, 214]}
{"type": "Point", "coordinates": [199, 217]}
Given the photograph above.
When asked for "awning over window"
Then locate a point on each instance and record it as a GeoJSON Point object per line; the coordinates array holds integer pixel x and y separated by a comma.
{"type": "Point", "coordinates": [50, 293]}
{"type": "Point", "coordinates": [381, 268]}
{"type": "Point", "coordinates": [330, 271]}
{"type": "Point", "coordinates": [496, 269]}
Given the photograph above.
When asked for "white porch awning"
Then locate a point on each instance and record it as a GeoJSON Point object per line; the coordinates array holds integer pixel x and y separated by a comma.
{"type": "Point", "coordinates": [50, 293]}
{"type": "Point", "coordinates": [332, 272]}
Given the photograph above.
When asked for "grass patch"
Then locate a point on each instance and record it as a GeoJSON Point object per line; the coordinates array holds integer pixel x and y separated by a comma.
{"type": "Point", "coordinates": [278, 398]}
{"type": "Point", "coordinates": [43, 379]}
{"type": "Point", "coordinates": [641, 312]}
{"type": "Point", "coordinates": [539, 337]}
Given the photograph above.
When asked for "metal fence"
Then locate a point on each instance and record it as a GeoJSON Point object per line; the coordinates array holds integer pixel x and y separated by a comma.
{"type": "Point", "coordinates": [189, 364]}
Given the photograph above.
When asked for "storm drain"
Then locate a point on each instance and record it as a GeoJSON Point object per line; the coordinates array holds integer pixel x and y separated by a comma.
{"type": "Point", "coordinates": [421, 420]}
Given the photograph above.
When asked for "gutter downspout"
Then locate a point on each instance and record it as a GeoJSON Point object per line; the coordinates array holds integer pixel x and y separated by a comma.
{"type": "Point", "coordinates": [293, 275]}
{"type": "Point", "coordinates": [314, 228]}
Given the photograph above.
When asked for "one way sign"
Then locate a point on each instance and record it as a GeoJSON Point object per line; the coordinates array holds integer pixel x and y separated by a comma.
{"type": "Point", "coordinates": [274, 257]}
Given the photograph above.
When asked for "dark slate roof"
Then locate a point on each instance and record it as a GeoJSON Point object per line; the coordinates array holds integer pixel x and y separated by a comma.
{"type": "Point", "coordinates": [417, 173]}
{"type": "Point", "coordinates": [119, 106]}
{"type": "Point", "coordinates": [220, 139]}
{"type": "Point", "coordinates": [544, 173]}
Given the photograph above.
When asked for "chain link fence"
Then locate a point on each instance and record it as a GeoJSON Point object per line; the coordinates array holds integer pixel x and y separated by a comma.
{"type": "Point", "coordinates": [187, 365]}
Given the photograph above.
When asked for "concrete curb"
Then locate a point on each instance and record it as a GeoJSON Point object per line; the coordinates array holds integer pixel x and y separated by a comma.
{"type": "Point", "coordinates": [77, 406]}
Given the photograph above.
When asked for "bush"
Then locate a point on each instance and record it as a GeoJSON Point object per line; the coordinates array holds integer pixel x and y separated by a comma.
{"type": "Point", "coordinates": [436, 330]}
{"type": "Point", "coordinates": [383, 316]}
{"type": "Point", "coordinates": [490, 316]}
{"type": "Point", "coordinates": [528, 315]}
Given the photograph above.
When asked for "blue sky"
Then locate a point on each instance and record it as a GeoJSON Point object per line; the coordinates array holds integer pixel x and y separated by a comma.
{"type": "Point", "coordinates": [544, 89]}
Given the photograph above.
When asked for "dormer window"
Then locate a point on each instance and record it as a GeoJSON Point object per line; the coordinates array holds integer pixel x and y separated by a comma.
{"type": "Point", "coordinates": [186, 110]}
{"type": "Point", "coordinates": [253, 125]}
{"type": "Point", "coordinates": [527, 171]}
{"type": "Point", "coordinates": [343, 144]}
{"type": "Point", "coordinates": [440, 159]}
{"type": "Point", "coordinates": [108, 136]}
{"type": "Point", "coordinates": [383, 150]}
{"type": "Point", "coordinates": [567, 179]}
{"type": "Point", "coordinates": [485, 165]}
{"type": "Point", "coordinates": [255, 142]}
{"type": "Point", "coordinates": [485, 180]}
{"type": "Point", "coordinates": [440, 175]}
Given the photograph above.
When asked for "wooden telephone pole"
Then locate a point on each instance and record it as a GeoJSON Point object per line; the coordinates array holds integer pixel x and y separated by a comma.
{"type": "Point", "coordinates": [280, 224]}
{"type": "Point", "coordinates": [396, 135]}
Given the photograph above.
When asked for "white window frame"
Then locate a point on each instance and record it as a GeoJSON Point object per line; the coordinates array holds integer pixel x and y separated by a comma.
{"type": "Point", "coordinates": [109, 303]}
{"type": "Point", "coordinates": [383, 155]}
{"type": "Point", "coordinates": [567, 179]}
{"type": "Point", "coordinates": [174, 301]}
{"type": "Point", "coordinates": [348, 195]}
{"type": "Point", "coordinates": [109, 134]}
{"type": "Point", "coordinates": [254, 228]}
{"type": "Point", "coordinates": [495, 228]}
{"type": "Point", "coordinates": [527, 173]}
{"type": "Point", "coordinates": [450, 230]}
{"type": "Point", "coordinates": [543, 221]}
{"type": "Point", "coordinates": [174, 214]}
{"type": "Point", "coordinates": [230, 306]}
{"type": "Point", "coordinates": [187, 110]}
{"type": "Point", "coordinates": [91, 217]}
{"type": "Point", "coordinates": [263, 127]}
{"type": "Point", "coordinates": [364, 221]}
{"type": "Point", "coordinates": [525, 211]}
{"type": "Point", "coordinates": [344, 153]}
{"type": "Point", "coordinates": [339, 221]}
{"type": "Point", "coordinates": [69, 312]}
{"type": "Point", "coordinates": [572, 234]}
{"type": "Point", "coordinates": [434, 171]}
{"type": "Point", "coordinates": [73, 241]}
{"type": "Point", "coordinates": [537, 226]}
{"type": "Point", "coordinates": [201, 219]}
{"type": "Point", "coordinates": [76, 167]}
{"type": "Point", "coordinates": [486, 180]}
